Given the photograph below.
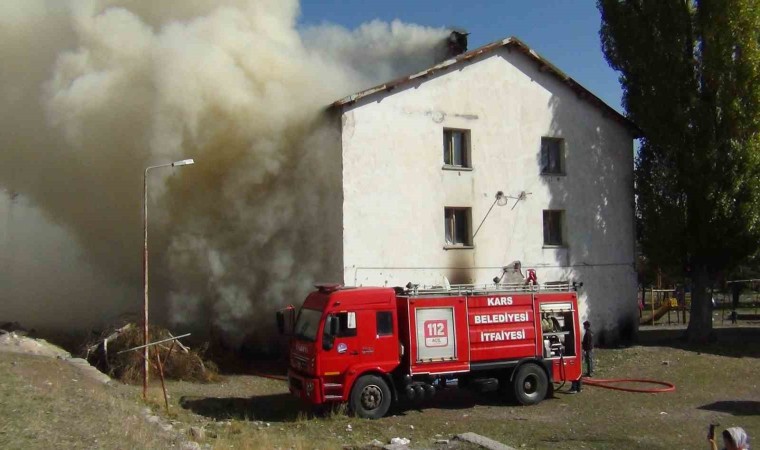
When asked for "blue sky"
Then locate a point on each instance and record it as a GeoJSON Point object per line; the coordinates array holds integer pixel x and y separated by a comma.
{"type": "Point", "coordinates": [566, 32]}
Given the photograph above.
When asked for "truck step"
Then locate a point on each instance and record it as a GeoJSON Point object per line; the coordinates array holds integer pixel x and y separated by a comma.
{"type": "Point", "coordinates": [333, 386]}
{"type": "Point", "coordinates": [333, 397]}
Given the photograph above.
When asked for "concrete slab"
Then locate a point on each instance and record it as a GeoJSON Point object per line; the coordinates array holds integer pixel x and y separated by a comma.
{"type": "Point", "coordinates": [483, 441]}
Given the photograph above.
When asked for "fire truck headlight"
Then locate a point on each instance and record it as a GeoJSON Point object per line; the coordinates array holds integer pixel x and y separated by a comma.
{"type": "Point", "coordinates": [309, 387]}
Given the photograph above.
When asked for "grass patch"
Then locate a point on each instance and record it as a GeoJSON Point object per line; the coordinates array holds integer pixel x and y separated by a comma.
{"type": "Point", "coordinates": [44, 408]}
{"type": "Point", "coordinates": [596, 419]}
{"type": "Point", "coordinates": [48, 404]}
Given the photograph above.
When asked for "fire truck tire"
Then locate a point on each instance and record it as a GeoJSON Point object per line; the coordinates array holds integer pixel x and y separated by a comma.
{"type": "Point", "coordinates": [530, 384]}
{"type": "Point", "coordinates": [370, 397]}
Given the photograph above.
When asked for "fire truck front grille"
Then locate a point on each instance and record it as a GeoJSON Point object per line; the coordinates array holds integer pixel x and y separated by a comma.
{"type": "Point", "coordinates": [299, 362]}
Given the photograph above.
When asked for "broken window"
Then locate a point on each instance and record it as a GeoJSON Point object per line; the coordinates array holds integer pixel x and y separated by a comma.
{"type": "Point", "coordinates": [456, 148]}
{"type": "Point", "coordinates": [553, 227]}
{"type": "Point", "coordinates": [457, 224]}
{"type": "Point", "coordinates": [552, 156]}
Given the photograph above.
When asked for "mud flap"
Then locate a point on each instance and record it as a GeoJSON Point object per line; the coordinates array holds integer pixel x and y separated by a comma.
{"type": "Point", "coordinates": [547, 365]}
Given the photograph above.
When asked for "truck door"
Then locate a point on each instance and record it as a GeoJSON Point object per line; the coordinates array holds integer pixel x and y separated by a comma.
{"type": "Point", "coordinates": [363, 336]}
{"type": "Point", "coordinates": [345, 348]}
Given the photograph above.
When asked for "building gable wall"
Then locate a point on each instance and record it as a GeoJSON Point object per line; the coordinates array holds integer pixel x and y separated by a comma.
{"type": "Point", "coordinates": [395, 189]}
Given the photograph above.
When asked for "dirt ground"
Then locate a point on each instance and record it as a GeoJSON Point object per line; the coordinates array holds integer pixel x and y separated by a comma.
{"type": "Point", "coordinates": [44, 403]}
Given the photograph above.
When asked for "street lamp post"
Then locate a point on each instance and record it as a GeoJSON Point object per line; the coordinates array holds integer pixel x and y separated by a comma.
{"type": "Point", "coordinates": [146, 362]}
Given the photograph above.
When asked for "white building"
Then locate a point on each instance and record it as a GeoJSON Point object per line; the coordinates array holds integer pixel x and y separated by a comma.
{"type": "Point", "coordinates": [422, 160]}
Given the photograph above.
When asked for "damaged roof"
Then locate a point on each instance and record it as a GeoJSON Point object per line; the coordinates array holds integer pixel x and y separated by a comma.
{"type": "Point", "coordinates": [512, 43]}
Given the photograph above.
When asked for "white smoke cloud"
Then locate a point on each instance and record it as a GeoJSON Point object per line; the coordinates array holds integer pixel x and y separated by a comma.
{"type": "Point", "coordinates": [93, 91]}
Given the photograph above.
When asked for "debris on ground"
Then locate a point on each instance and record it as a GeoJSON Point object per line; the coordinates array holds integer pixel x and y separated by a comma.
{"type": "Point", "coordinates": [483, 441]}
{"type": "Point", "coordinates": [198, 433]}
{"type": "Point", "coordinates": [178, 361]}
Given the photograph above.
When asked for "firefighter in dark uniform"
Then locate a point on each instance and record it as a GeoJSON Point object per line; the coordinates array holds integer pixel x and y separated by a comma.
{"type": "Point", "coordinates": [588, 348]}
{"type": "Point", "coordinates": [588, 355]}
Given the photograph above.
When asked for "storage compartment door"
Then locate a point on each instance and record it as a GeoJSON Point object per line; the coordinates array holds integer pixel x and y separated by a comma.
{"type": "Point", "coordinates": [436, 338]}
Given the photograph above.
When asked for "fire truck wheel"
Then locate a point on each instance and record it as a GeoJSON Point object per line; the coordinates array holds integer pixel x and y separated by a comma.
{"type": "Point", "coordinates": [530, 384]}
{"type": "Point", "coordinates": [370, 397]}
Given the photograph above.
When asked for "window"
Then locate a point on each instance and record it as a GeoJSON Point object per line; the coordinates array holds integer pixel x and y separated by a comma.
{"type": "Point", "coordinates": [346, 324]}
{"type": "Point", "coordinates": [307, 324]}
{"type": "Point", "coordinates": [552, 156]}
{"type": "Point", "coordinates": [553, 227]}
{"type": "Point", "coordinates": [384, 323]}
{"type": "Point", "coordinates": [457, 224]}
{"type": "Point", "coordinates": [456, 148]}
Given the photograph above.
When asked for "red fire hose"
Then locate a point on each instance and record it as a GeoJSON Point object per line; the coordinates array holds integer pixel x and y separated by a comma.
{"type": "Point", "coordinates": [270, 376]}
{"type": "Point", "coordinates": [611, 382]}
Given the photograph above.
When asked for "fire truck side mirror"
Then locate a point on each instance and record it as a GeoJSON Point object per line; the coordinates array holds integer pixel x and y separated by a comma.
{"type": "Point", "coordinates": [286, 320]}
{"type": "Point", "coordinates": [334, 324]}
{"type": "Point", "coordinates": [281, 322]}
{"type": "Point", "coordinates": [328, 340]}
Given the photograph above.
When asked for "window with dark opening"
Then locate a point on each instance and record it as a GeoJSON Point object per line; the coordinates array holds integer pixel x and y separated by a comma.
{"type": "Point", "coordinates": [552, 156]}
{"type": "Point", "coordinates": [456, 148]}
{"type": "Point", "coordinates": [384, 323]}
{"type": "Point", "coordinates": [458, 229]}
{"type": "Point", "coordinates": [553, 227]}
{"type": "Point", "coordinates": [346, 324]}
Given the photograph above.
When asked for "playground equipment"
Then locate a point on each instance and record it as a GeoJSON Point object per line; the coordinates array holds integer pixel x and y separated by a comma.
{"type": "Point", "coordinates": [661, 302]}
{"type": "Point", "coordinates": [726, 303]}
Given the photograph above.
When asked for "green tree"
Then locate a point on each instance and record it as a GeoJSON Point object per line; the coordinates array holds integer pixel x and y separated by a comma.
{"type": "Point", "coordinates": [690, 72]}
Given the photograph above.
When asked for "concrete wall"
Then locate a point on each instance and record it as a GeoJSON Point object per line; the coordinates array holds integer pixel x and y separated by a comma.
{"type": "Point", "coordinates": [395, 189]}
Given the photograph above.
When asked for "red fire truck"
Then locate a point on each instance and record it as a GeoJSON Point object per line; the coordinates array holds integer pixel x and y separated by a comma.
{"type": "Point", "coordinates": [373, 346]}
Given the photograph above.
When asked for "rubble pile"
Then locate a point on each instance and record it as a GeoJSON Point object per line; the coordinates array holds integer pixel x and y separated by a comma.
{"type": "Point", "coordinates": [179, 362]}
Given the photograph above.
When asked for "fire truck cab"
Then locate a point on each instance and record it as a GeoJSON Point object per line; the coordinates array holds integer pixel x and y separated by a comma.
{"type": "Point", "coordinates": [373, 346]}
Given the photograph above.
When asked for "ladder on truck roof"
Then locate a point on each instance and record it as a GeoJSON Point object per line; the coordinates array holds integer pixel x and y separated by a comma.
{"type": "Point", "coordinates": [481, 289]}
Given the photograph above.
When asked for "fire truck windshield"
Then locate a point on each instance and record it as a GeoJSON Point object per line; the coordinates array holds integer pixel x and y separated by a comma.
{"type": "Point", "coordinates": [308, 324]}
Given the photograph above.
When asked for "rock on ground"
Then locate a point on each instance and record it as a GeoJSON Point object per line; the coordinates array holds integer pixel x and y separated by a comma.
{"type": "Point", "coordinates": [483, 441]}
{"type": "Point", "coordinates": [15, 343]}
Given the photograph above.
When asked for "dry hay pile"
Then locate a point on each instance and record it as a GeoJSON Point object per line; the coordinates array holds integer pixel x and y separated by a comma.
{"type": "Point", "coordinates": [181, 364]}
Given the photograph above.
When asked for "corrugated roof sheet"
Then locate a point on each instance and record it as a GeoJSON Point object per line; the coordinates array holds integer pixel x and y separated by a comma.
{"type": "Point", "coordinates": [511, 42]}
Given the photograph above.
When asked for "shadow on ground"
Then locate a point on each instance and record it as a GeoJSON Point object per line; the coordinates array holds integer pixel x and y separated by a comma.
{"type": "Point", "coordinates": [286, 408]}
{"type": "Point", "coordinates": [268, 408]}
{"type": "Point", "coordinates": [452, 398]}
{"type": "Point", "coordinates": [734, 407]}
{"type": "Point", "coordinates": [730, 342]}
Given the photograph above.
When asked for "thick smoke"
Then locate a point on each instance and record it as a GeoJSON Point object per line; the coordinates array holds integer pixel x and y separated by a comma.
{"type": "Point", "coordinates": [93, 91]}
